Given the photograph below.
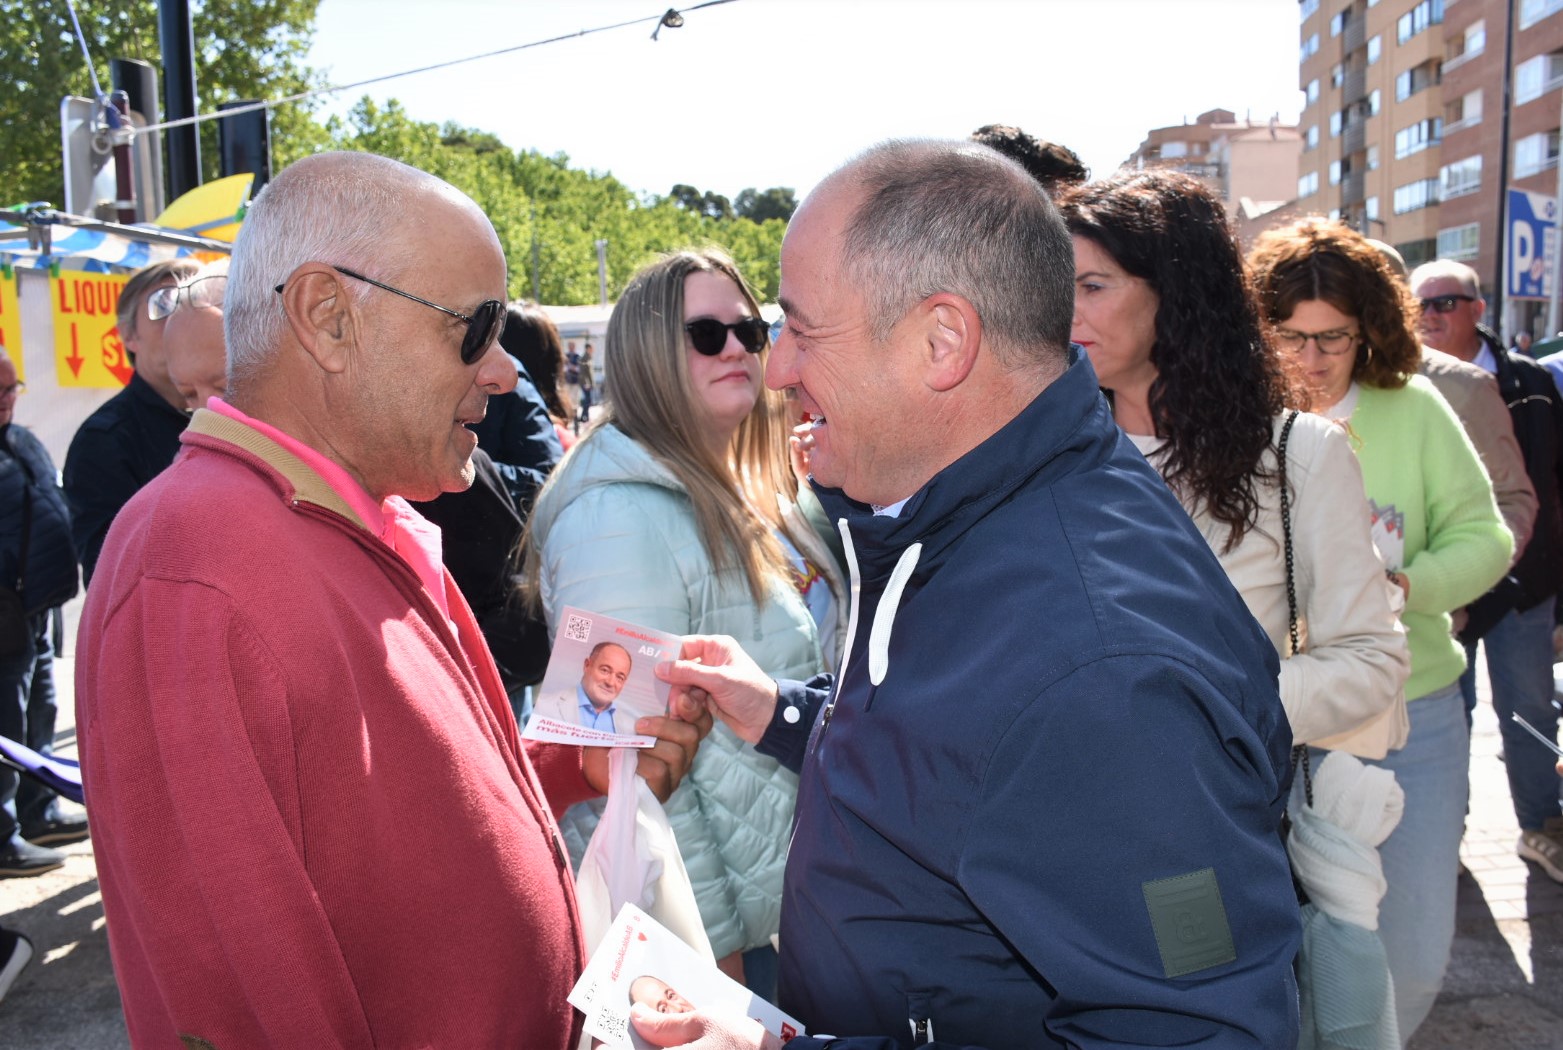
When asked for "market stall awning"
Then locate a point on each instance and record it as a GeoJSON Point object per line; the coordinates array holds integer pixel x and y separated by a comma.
{"type": "Point", "coordinates": [40, 237]}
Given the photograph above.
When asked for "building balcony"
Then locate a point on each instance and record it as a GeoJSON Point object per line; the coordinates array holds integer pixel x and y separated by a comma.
{"type": "Point", "coordinates": [1452, 64]}
{"type": "Point", "coordinates": [1355, 87]}
{"type": "Point", "coordinates": [1210, 171]}
{"type": "Point", "coordinates": [1355, 138]}
{"type": "Point", "coordinates": [1353, 190]}
{"type": "Point", "coordinates": [1355, 35]}
{"type": "Point", "coordinates": [1428, 44]}
{"type": "Point", "coordinates": [1462, 125]}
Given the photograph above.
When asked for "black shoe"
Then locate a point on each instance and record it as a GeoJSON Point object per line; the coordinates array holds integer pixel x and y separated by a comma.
{"type": "Point", "coordinates": [56, 830]}
{"type": "Point", "coordinates": [16, 951]}
{"type": "Point", "coordinates": [20, 857]}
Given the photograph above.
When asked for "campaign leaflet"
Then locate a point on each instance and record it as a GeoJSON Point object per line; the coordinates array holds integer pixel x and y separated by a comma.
{"type": "Point", "coordinates": [640, 960]}
{"type": "Point", "coordinates": [599, 682]}
{"type": "Point", "coordinates": [1389, 534]}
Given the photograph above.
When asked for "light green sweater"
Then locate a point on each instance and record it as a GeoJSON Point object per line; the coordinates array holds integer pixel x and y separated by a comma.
{"type": "Point", "coordinates": [1417, 460]}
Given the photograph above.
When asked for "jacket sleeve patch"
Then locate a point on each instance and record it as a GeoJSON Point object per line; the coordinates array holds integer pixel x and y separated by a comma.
{"type": "Point", "coordinates": [1190, 922]}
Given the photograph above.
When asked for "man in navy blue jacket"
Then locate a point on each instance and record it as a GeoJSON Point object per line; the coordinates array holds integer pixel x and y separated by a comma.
{"type": "Point", "coordinates": [1039, 805]}
{"type": "Point", "coordinates": [35, 551]}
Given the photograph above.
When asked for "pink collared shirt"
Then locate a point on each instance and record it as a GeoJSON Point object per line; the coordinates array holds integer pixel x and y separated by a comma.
{"type": "Point", "coordinates": [412, 536]}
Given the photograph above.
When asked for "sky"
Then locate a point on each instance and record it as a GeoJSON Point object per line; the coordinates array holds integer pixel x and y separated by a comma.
{"type": "Point", "coordinates": [761, 93]}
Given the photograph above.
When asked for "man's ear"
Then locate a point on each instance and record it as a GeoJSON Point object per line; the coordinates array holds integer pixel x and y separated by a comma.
{"type": "Point", "coordinates": [322, 315]}
{"type": "Point", "coordinates": [132, 344]}
{"type": "Point", "coordinates": [952, 331]}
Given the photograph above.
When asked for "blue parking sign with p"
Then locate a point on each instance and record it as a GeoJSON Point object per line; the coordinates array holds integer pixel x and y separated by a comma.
{"type": "Point", "coordinates": [1533, 234]}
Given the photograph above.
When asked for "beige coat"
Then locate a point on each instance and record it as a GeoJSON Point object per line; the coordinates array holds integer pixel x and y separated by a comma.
{"type": "Point", "coordinates": [1345, 689]}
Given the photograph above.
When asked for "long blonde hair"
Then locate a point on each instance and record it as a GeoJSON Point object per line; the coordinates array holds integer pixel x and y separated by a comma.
{"type": "Point", "coordinates": [651, 400]}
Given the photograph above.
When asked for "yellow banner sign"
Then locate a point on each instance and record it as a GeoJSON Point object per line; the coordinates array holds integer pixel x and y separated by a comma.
{"type": "Point", "coordinates": [87, 347]}
{"type": "Point", "coordinates": [11, 322]}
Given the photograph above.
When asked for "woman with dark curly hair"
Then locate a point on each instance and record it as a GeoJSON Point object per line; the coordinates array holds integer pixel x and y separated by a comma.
{"type": "Point", "coordinates": [1342, 316]}
{"type": "Point", "coordinates": [1164, 310]}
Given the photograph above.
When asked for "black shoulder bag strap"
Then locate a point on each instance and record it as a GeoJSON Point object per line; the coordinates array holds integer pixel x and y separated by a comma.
{"type": "Point", "coordinates": [1300, 751]}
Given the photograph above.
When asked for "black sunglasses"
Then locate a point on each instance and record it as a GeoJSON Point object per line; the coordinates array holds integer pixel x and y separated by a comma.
{"type": "Point", "coordinates": [708, 335]}
{"type": "Point", "coordinates": [1444, 304]}
{"type": "Point", "coordinates": [483, 325]}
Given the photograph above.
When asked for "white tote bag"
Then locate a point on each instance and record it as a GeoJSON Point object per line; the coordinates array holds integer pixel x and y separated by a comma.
{"type": "Point", "coordinates": [633, 858]}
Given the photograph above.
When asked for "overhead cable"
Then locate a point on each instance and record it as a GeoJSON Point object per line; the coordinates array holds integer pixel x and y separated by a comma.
{"type": "Point", "coordinates": [672, 18]}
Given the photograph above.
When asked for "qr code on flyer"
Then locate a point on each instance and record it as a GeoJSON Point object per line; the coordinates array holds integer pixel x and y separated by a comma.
{"type": "Point", "coordinates": [578, 628]}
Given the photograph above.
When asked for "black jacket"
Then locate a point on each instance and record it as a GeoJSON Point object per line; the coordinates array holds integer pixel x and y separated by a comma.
{"type": "Point", "coordinates": [49, 577]}
{"type": "Point", "coordinates": [126, 443]}
{"type": "Point", "coordinates": [1537, 412]}
{"type": "Point", "coordinates": [481, 533]}
{"type": "Point", "coordinates": [518, 435]}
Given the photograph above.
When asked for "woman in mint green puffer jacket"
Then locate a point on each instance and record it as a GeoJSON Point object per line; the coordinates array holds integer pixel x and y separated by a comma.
{"type": "Point", "coordinates": [677, 511]}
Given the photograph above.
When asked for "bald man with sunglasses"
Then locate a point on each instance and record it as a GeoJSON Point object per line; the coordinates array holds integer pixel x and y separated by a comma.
{"type": "Point", "coordinates": [1519, 645]}
{"type": "Point", "coordinates": [314, 822]}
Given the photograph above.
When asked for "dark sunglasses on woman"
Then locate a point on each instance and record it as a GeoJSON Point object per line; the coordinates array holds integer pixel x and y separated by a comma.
{"type": "Point", "coordinates": [708, 335]}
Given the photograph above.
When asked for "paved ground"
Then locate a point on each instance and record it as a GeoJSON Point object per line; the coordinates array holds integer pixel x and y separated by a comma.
{"type": "Point", "coordinates": [1505, 985]}
{"type": "Point", "coordinates": [1504, 991]}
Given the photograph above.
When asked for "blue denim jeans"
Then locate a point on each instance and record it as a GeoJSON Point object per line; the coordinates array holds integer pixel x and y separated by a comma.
{"type": "Point", "coordinates": [1422, 855]}
{"type": "Point", "coordinates": [27, 711]}
{"type": "Point", "coordinates": [1519, 667]}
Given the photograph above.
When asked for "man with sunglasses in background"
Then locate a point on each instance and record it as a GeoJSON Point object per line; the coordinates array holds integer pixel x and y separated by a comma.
{"type": "Point", "coordinates": [313, 819]}
{"type": "Point", "coordinates": [1518, 646]}
{"type": "Point", "coordinates": [134, 434]}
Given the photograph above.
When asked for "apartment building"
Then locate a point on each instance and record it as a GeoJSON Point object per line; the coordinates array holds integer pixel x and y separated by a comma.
{"type": "Point", "coordinates": [1404, 130]}
{"type": "Point", "coordinates": [1242, 160]}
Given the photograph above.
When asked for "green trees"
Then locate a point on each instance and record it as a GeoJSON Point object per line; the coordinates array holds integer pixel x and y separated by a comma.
{"type": "Point", "coordinates": [531, 196]}
{"type": "Point", "coordinates": [244, 49]}
{"type": "Point", "coordinates": [778, 202]}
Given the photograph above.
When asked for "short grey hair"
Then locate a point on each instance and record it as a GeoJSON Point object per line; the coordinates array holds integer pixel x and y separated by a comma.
{"type": "Point", "coordinates": [955, 216]}
{"type": "Point", "coordinates": [336, 208]}
{"type": "Point", "coordinates": [1469, 280]}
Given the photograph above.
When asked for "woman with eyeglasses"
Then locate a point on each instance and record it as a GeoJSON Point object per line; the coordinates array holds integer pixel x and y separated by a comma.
{"type": "Point", "coordinates": [1347, 322]}
{"type": "Point", "coordinates": [677, 510]}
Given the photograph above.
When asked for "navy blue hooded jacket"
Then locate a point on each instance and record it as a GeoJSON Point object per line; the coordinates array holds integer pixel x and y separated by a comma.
{"type": "Point", "coordinates": [49, 578]}
{"type": "Point", "coordinates": [1041, 806]}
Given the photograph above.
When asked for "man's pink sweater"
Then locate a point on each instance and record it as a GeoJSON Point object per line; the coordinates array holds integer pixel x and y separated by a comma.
{"type": "Point", "coordinates": [313, 821]}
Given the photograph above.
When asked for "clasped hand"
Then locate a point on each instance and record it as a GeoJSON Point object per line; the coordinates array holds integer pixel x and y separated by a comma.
{"type": "Point", "coordinates": [663, 765]}
{"type": "Point", "coordinates": [715, 673]}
